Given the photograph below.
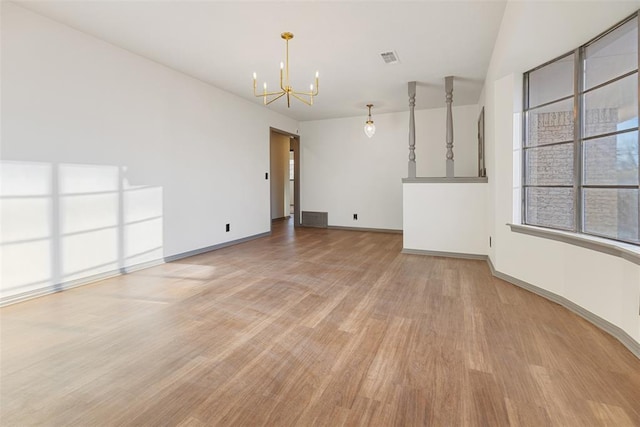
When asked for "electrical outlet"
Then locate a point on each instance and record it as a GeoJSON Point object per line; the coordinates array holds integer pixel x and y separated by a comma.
{"type": "Point", "coordinates": [355, 217]}
{"type": "Point", "coordinates": [489, 241]}
{"type": "Point", "coordinates": [266, 175]}
{"type": "Point", "coordinates": [228, 228]}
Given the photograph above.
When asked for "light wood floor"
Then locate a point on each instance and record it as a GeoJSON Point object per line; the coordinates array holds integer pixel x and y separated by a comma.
{"type": "Point", "coordinates": [310, 327]}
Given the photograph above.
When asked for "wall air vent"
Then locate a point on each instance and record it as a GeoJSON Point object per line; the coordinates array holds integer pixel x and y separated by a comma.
{"type": "Point", "coordinates": [390, 57]}
{"type": "Point", "coordinates": [315, 219]}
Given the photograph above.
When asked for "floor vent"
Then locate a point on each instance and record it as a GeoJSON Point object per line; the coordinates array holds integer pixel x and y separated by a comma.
{"type": "Point", "coordinates": [315, 219]}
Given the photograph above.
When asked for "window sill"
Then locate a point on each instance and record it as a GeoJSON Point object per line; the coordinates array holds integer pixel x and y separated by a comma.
{"type": "Point", "coordinates": [629, 252]}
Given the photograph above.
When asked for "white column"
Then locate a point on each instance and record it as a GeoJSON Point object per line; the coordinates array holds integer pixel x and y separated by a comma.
{"type": "Point", "coordinates": [448, 87]}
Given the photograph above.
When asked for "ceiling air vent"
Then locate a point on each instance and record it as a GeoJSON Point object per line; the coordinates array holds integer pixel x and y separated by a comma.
{"type": "Point", "coordinates": [390, 57]}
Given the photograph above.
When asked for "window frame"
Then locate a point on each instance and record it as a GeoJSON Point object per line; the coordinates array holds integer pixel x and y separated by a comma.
{"type": "Point", "coordinates": [579, 140]}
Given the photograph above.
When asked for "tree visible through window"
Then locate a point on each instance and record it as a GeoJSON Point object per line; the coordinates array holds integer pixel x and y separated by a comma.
{"type": "Point", "coordinates": [580, 148]}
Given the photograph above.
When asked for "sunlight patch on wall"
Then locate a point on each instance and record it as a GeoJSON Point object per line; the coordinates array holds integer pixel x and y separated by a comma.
{"type": "Point", "coordinates": [25, 226]}
{"type": "Point", "coordinates": [143, 224]}
{"type": "Point", "coordinates": [89, 219]}
{"type": "Point", "coordinates": [66, 222]}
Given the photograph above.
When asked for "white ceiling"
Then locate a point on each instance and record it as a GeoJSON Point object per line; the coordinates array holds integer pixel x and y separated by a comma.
{"type": "Point", "coordinates": [223, 43]}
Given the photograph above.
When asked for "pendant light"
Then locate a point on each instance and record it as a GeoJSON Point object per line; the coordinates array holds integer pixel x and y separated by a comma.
{"type": "Point", "coordinates": [369, 127]}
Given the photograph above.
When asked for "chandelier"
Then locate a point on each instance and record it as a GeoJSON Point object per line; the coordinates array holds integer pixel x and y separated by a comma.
{"type": "Point", "coordinates": [369, 127]}
{"type": "Point", "coordinates": [285, 85]}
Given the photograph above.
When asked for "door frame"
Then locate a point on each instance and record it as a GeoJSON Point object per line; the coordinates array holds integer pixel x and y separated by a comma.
{"type": "Point", "coordinates": [294, 144]}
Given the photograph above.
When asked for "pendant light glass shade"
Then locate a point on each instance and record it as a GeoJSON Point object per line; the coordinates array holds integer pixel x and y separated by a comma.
{"type": "Point", "coordinates": [369, 127]}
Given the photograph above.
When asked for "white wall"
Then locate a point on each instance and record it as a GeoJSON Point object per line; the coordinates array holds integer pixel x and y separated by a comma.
{"type": "Point", "coordinates": [343, 172]}
{"type": "Point", "coordinates": [447, 217]}
{"type": "Point", "coordinates": [605, 285]}
{"type": "Point", "coordinates": [110, 159]}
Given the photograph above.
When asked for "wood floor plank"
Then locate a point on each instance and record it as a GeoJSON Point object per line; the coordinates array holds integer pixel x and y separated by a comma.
{"type": "Point", "coordinates": [310, 327]}
{"type": "Point", "coordinates": [610, 415]}
{"type": "Point", "coordinates": [489, 408]}
{"type": "Point", "coordinates": [524, 414]}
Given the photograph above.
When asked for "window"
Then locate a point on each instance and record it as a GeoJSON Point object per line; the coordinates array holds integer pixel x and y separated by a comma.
{"type": "Point", "coordinates": [580, 147]}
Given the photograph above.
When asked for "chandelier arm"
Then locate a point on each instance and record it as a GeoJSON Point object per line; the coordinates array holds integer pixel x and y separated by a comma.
{"type": "Point", "coordinates": [295, 94]}
{"type": "Point", "coordinates": [260, 95]}
{"type": "Point", "coordinates": [310, 93]}
{"type": "Point", "coordinates": [276, 98]}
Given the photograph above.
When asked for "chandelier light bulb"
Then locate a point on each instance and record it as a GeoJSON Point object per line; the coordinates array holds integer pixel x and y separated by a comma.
{"type": "Point", "coordinates": [281, 65]}
{"type": "Point", "coordinates": [265, 85]}
{"type": "Point", "coordinates": [255, 76]}
{"type": "Point", "coordinates": [311, 87]}
{"type": "Point", "coordinates": [317, 74]}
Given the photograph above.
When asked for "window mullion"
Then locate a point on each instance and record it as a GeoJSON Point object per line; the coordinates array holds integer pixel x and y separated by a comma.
{"type": "Point", "coordinates": [523, 160]}
{"type": "Point", "coordinates": [638, 102]}
{"type": "Point", "coordinates": [577, 138]}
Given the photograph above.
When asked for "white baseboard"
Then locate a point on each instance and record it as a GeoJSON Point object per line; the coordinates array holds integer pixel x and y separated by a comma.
{"type": "Point", "coordinates": [443, 254]}
{"type": "Point", "coordinates": [613, 330]}
{"type": "Point", "coordinates": [59, 287]}
{"type": "Point", "coordinates": [605, 325]}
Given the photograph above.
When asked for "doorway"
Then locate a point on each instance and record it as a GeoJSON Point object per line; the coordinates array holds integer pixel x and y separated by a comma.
{"type": "Point", "coordinates": [284, 153]}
